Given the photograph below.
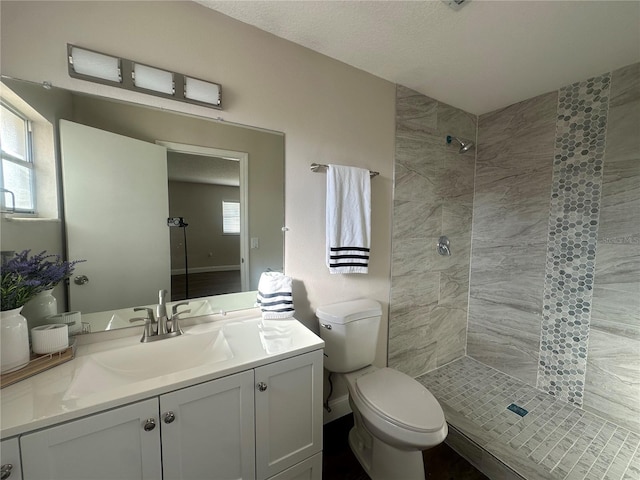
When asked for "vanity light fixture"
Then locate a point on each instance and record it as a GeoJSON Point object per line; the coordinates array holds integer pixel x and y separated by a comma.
{"type": "Point", "coordinates": [201, 91]}
{"type": "Point", "coordinates": [94, 66]}
{"type": "Point", "coordinates": [155, 79]}
{"type": "Point", "coordinates": [98, 67]}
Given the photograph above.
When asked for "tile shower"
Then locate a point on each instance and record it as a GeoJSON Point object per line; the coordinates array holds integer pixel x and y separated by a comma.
{"type": "Point", "coordinates": [543, 284]}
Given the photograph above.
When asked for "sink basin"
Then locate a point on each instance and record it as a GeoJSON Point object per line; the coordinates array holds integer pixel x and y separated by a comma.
{"type": "Point", "coordinates": [143, 361]}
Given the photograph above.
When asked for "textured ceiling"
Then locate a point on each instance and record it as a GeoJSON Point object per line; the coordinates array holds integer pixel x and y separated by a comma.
{"type": "Point", "coordinates": [484, 56]}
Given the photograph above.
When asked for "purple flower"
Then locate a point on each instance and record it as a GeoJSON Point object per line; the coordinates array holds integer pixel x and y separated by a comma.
{"type": "Point", "coordinates": [23, 276]}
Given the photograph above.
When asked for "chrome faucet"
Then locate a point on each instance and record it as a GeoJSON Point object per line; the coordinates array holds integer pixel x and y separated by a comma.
{"type": "Point", "coordinates": [161, 312]}
{"type": "Point", "coordinates": [161, 325]}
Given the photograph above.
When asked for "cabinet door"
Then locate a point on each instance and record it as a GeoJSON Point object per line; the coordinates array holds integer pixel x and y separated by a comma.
{"type": "Point", "coordinates": [288, 412]}
{"type": "Point", "coordinates": [208, 430]}
{"type": "Point", "coordinates": [309, 469]}
{"type": "Point", "coordinates": [10, 459]}
{"type": "Point", "coordinates": [117, 444]}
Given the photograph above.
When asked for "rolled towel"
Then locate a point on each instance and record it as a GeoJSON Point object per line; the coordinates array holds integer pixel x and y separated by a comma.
{"type": "Point", "coordinates": [275, 296]}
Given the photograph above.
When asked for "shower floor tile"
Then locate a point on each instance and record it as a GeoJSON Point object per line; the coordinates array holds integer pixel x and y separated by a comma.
{"type": "Point", "coordinates": [554, 440]}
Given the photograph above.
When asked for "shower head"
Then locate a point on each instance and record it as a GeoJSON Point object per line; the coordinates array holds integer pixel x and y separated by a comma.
{"type": "Point", "coordinates": [465, 145]}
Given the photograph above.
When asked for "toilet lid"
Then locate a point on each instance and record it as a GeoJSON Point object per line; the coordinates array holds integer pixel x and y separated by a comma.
{"type": "Point", "coordinates": [401, 400]}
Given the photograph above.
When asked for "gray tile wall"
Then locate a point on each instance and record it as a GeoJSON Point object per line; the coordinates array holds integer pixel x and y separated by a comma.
{"type": "Point", "coordinates": [512, 263]}
{"type": "Point", "coordinates": [433, 196]}
{"type": "Point", "coordinates": [612, 386]}
{"type": "Point", "coordinates": [573, 226]}
{"type": "Point", "coordinates": [510, 217]}
{"type": "Point", "coordinates": [517, 259]}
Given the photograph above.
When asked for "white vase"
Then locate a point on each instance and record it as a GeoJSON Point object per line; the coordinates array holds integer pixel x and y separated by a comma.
{"type": "Point", "coordinates": [39, 308]}
{"type": "Point", "coordinates": [14, 338]}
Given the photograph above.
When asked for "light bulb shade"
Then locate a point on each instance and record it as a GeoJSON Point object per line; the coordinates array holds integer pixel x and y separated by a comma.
{"type": "Point", "coordinates": [200, 91]}
{"type": "Point", "coordinates": [151, 78]}
{"type": "Point", "coordinates": [93, 64]}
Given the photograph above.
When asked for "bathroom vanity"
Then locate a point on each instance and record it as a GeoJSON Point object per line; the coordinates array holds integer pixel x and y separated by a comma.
{"type": "Point", "coordinates": [237, 397]}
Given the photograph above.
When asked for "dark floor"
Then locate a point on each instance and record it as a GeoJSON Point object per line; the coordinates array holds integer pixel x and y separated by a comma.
{"type": "Point", "coordinates": [339, 463]}
{"type": "Point", "coordinates": [205, 284]}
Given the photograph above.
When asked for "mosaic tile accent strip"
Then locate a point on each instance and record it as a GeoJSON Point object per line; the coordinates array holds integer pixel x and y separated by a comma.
{"type": "Point", "coordinates": [573, 226]}
{"type": "Point", "coordinates": [554, 441]}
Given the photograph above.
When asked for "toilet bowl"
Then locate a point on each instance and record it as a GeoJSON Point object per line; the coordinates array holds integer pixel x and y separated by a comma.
{"type": "Point", "coordinates": [395, 417]}
{"type": "Point", "coordinates": [397, 409]}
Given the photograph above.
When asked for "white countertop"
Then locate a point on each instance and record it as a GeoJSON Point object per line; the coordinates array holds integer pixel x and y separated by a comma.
{"type": "Point", "coordinates": [53, 396]}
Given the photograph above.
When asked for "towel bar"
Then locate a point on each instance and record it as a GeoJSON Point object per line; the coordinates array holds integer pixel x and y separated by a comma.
{"type": "Point", "coordinates": [315, 167]}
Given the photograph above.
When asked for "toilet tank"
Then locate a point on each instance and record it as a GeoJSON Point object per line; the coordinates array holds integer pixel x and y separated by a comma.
{"type": "Point", "coordinates": [350, 332]}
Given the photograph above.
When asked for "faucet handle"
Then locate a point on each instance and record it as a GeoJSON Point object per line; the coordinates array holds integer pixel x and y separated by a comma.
{"type": "Point", "coordinates": [174, 309]}
{"type": "Point", "coordinates": [148, 310]}
{"type": "Point", "coordinates": [175, 316]}
{"type": "Point", "coordinates": [148, 320]}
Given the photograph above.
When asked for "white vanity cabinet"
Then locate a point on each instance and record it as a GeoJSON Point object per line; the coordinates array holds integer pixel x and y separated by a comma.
{"type": "Point", "coordinates": [10, 468]}
{"type": "Point", "coordinates": [288, 413]}
{"type": "Point", "coordinates": [261, 423]}
{"type": "Point", "coordinates": [208, 430]}
{"type": "Point", "coordinates": [121, 443]}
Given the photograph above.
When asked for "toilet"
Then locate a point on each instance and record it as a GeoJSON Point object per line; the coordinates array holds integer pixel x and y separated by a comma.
{"type": "Point", "coordinates": [395, 417]}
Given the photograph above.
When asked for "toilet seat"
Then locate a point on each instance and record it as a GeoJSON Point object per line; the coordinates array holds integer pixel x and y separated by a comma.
{"type": "Point", "coordinates": [400, 400]}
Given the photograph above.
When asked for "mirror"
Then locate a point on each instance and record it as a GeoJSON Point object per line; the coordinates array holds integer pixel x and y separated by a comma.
{"type": "Point", "coordinates": [209, 165]}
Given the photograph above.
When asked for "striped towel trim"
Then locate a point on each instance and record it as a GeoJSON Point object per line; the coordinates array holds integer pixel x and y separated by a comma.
{"type": "Point", "coordinates": [349, 259]}
{"type": "Point", "coordinates": [275, 305]}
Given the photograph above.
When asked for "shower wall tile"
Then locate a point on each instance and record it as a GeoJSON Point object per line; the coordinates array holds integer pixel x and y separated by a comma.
{"type": "Point", "coordinates": [458, 122]}
{"type": "Point", "coordinates": [612, 387]}
{"type": "Point", "coordinates": [449, 328]}
{"type": "Point", "coordinates": [515, 226]}
{"type": "Point", "coordinates": [573, 226]}
{"type": "Point", "coordinates": [616, 293]}
{"type": "Point", "coordinates": [624, 87]}
{"type": "Point", "coordinates": [405, 214]}
{"type": "Point", "coordinates": [416, 112]}
{"type": "Point", "coordinates": [510, 218]}
{"type": "Point", "coordinates": [411, 154]}
{"type": "Point", "coordinates": [499, 220]}
{"type": "Point", "coordinates": [454, 287]}
{"type": "Point", "coordinates": [504, 348]}
{"type": "Point", "coordinates": [433, 196]}
{"type": "Point", "coordinates": [414, 290]}
{"type": "Point", "coordinates": [620, 209]}
{"type": "Point", "coordinates": [613, 379]}
{"type": "Point", "coordinates": [509, 275]}
{"type": "Point", "coordinates": [415, 186]}
{"type": "Point", "coordinates": [412, 347]}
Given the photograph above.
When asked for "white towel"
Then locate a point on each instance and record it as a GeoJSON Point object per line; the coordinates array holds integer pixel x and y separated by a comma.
{"type": "Point", "coordinates": [348, 219]}
{"type": "Point", "coordinates": [275, 297]}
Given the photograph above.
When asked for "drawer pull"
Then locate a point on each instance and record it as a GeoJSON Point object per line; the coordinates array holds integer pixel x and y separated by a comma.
{"type": "Point", "coordinates": [5, 471]}
{"type": "Point", "coordinates": [149, 424]}
{"type": "Point", "coordinates": [169, 417]}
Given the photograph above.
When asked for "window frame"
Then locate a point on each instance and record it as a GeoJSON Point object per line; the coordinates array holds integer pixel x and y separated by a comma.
{"type": "Point", "coordinates": [27, 163]}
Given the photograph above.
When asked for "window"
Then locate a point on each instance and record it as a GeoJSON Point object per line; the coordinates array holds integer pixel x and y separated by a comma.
{"type": "Point", "coordinates": [231, 218]}
{"type": "Point", "coordinates": [16, 168]}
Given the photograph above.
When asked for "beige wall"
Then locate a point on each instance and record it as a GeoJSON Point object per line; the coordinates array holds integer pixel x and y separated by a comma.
{"type": "Point", "coordinates": [201, 205]}
{"type": "Point", "coordinates": [329, 112]}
